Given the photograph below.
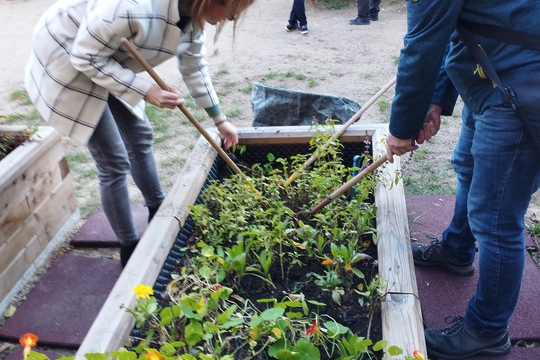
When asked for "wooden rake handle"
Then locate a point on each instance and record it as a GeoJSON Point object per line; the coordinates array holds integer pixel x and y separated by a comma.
{"type": "Point", "coordinates": [133, 51]}
{"type": "Point", "coordinates": [345, 126]}
{"type": "Point", "coordinates": [182, 108]}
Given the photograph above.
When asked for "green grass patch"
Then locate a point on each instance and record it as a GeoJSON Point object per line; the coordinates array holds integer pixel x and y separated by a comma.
{"type": "Point", "coordinates": [271, 75]}
{"type": "Point", "coordinates": [336, 4]}
{"type": "Point", "coordinates": [312, 82]}
{"type": "Point", "coordinates": [20, 96]}
{"type": "Point", "coordinates": [233, 113]}
{"type": "Point", "coordinates": [222, 72]}
{"type": "Point", "coordinates": [247, 89]}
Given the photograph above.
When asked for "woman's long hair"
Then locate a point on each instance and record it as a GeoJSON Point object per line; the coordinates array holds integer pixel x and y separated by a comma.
{"type": "Point", "coordinates": [235, 9]}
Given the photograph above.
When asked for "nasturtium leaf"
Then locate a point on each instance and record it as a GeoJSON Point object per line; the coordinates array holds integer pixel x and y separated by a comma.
{"type": "Point", "coordinates": [272, 314]}
{"type": "Point", "coordinates": [394, 350]}
{"type": "Point", "coordinates": [293, 315]}
{"type": "Point", "coordinates": [167, 349]}
{"type": "Point", "coordinates": [335, 328]}
{"type": "Point", "coordinates": [307, 350]}
{"type": "Point", "coordinates": [379, 345]}
{"type": "Point", "coordinates": [287, 355]}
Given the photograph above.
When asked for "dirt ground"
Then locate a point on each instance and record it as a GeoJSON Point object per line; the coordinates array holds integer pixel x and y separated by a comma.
{"type": "Point", "coordinates": [351, 61]}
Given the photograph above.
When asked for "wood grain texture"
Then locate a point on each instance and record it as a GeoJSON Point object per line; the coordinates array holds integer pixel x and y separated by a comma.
{"type": "Point", "coordinates": [401, 312]}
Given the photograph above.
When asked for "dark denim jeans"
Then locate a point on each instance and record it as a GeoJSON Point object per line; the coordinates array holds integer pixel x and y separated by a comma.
{"type": "Point", "coordinates": [498, 170]}
{"type": "Point", "coordinates": [122, 143]}
{"type": "Point", "coordinates": [298, 13]}
{"type": "Point", "coordinates": [368, 9]}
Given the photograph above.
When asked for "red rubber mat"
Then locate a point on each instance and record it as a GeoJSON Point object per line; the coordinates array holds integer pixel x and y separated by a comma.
{"type": "Point", "coordinates": [61, 308]}
{"type": "Point", "coordinates": [96, 231]}
{"type": "Point", "coordinates": [443, 294]}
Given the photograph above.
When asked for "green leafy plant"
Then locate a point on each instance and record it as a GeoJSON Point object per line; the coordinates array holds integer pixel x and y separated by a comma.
{"type": "Point", "coordinates": [8, 142]}
{"type": "Point", "coordinates": [243, 239]}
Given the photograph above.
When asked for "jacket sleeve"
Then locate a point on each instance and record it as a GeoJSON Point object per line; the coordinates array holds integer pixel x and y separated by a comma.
{"type": "Point", "coordinates": [194, 70]}
{"type": "Point", "coordinates": [95, 48]}
{"type": "Point", "coordinates": [430, 24]}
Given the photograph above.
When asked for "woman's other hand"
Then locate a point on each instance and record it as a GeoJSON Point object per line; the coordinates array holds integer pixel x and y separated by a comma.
{"type": "Point", "coordinates": [228, 130]}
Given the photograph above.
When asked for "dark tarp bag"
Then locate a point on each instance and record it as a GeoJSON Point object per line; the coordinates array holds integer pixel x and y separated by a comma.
{"type": "Point", "coordinates": [274, 106]}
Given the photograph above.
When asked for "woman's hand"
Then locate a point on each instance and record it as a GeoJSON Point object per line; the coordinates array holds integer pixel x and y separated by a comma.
{"type": "Point", "coordinates": [164, 99]}
{"type": "Point", "coordinates": [228, 130]}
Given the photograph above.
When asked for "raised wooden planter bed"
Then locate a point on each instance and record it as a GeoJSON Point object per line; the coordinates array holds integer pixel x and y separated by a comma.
{"type": "Point", "coordinates": [402, 321]}
{"type": "Point", "coordinates": [38, 206]}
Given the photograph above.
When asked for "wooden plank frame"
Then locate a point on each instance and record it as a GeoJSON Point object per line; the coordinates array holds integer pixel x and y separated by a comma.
{"type": "Point", "coordinates": [401, 313]}
{"type": "Point", "coordinates": [37, 206]}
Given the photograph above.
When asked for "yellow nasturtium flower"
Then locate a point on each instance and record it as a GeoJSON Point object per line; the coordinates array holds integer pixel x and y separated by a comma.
{"type": "Point", "coordinates": [153, 354]}
{"type": "Point", "coordinates": [143, 291]}
{"type": "Point", "coordinates": [418, 355]}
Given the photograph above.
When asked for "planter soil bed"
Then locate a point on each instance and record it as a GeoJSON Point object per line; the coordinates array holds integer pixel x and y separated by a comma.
{"type": "Point", "coordinates": [160, 247]}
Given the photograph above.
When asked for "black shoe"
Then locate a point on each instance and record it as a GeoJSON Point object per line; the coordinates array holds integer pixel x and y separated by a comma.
{"type": "Point", "coordinates": [290, 27]}
{"type": "Point", "coordinates": [460, 340]}
{"type": "Point", "coordinates": [303, 29]}
{"type": "Point", "coordinates": [151, 212]}
{"type": "Point", "coordinates": [432, 254]}
{"type": "Point", "coordinates": [374, 17]}
{"type": "Point", "coordinates": [359, 21]}
{"type": "Point", "coordinates": [125, 253]}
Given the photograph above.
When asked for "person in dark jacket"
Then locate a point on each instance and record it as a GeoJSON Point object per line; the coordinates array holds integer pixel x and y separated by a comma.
{"type": "Point", "coordinates": [495, 158]}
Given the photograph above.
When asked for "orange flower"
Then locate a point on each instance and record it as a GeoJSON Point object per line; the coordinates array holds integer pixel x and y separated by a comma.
{"type": "Point", "coordinates": [153, 354]}
{"type": "Point", "coordinates": [28, 340]}
{"type": "Point", "coordinates": [327, 262]}
{"type": "Point", "coordinates": [418, 355]}
{"type": "Point", "coordinates": [313, 329]}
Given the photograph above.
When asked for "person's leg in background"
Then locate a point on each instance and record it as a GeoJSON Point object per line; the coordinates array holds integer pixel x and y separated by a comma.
{"type": "Point", "coordinates": [374, 10]}
{"type": "Point", "coordinates": [363, 13]}
{"type": "Point", "coordinates": [297, 18]}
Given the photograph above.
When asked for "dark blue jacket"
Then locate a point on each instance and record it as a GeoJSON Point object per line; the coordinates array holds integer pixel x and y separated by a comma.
{"type": "Point", "coordinates": [431, 25]}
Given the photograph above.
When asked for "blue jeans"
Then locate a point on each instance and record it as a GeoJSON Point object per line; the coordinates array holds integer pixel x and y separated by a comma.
{"type": "Point", "coordinates": [122, 143]}
{"type": "Point", "coordinates": [298, 13]}
{"type": "Point", "coordinates": [498, 170]}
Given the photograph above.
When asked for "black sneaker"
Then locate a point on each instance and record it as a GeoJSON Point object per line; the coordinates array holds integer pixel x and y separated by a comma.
{"type": "Point", "coordinates": [374, 17]}
{"type": "Point", "coordinates": [125, 253]}
{"type": "Point", "coordinates": [303, 29]}
{"type": "Point", "coordinates": [290, 27]}
{"type": "Point", "coordinates": [359, 21]}
{"type": "Point", "coordinates": [460, 340]}
{"type": "Point", "coordinates": [432, 254]}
